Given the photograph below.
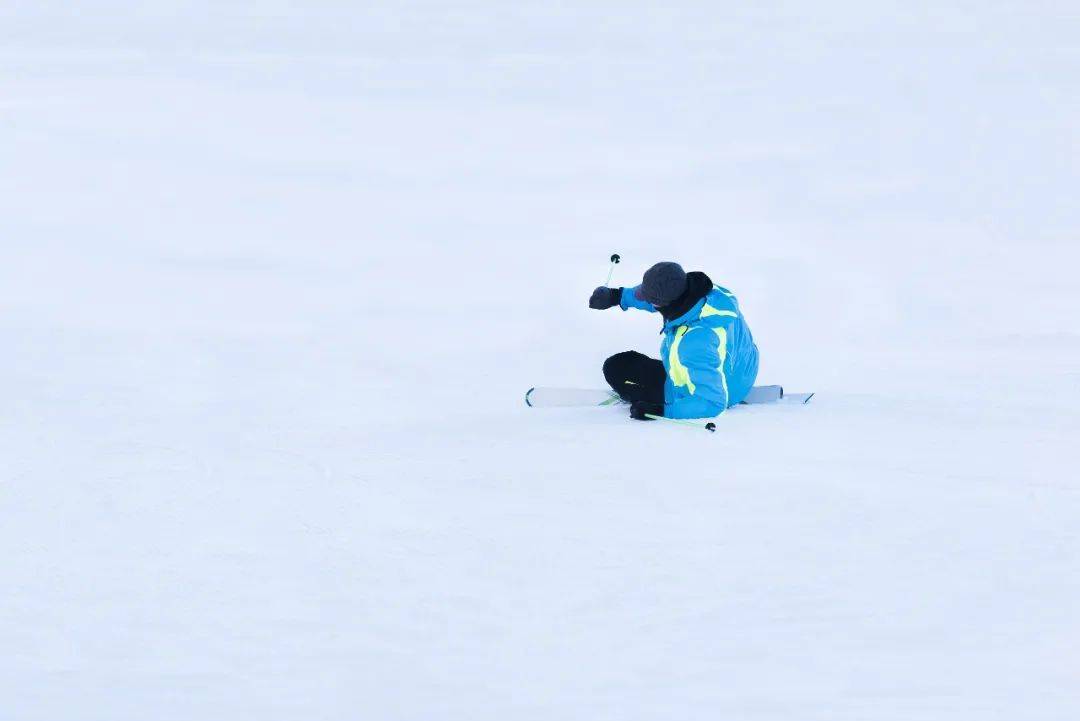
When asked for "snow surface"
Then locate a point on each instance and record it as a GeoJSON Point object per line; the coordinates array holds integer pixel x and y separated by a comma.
{"type": "Point", "coordinates": [275, 276]}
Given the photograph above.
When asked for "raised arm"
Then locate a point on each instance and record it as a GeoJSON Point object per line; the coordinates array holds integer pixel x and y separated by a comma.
{"type": "Point", "coordinates": [603, 298]}
{"type": "Point", "coordinates": [629, 300]}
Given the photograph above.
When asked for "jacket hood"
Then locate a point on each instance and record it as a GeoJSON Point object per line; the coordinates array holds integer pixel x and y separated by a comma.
{"type": "Point", "coordinates": [698, 286]}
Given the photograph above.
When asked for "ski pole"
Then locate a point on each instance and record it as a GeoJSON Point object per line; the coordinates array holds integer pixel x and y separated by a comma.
{"type": "Point", "coordinates": [611, 271]}
{"type": "Point", "coordinates": [709, 426]}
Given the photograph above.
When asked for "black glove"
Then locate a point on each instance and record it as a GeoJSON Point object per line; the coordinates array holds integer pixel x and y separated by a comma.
{"type": "Point", "coordinates": [638, 409]}
{"type": "Point", "coordinates": [603, 298]}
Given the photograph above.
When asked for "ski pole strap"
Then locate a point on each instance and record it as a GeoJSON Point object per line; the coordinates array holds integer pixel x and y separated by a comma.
{"type": "Point", "coordinates": [708, 425]}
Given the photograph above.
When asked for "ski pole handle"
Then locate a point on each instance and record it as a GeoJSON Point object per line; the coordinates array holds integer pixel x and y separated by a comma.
{"type": "Point", "coordinates": [709, 426]}
{"type": "Point", "coordinates": [611, 271]}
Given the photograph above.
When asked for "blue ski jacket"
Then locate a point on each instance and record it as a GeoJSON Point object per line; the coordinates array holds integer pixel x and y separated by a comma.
{"type": "Point", "coordinates": [708, 353]}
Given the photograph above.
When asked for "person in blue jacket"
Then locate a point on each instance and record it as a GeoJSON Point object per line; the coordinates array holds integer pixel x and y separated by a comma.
{"type": "Point", "coordinates": [708, 358]}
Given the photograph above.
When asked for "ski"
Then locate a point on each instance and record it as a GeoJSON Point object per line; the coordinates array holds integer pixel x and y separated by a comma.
{"type": "Point", "coordinates": [541, 397]}
{"type": "Point", "coordinates": [801, 398]}
{"type": "Point", "coordinates": [568, 397]}
{"type": "Point", "coordinates": [764, 394]}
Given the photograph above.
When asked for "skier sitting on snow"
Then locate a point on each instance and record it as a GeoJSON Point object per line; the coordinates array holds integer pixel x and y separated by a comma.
{"type": "Point", "coordinates": [710, 361]}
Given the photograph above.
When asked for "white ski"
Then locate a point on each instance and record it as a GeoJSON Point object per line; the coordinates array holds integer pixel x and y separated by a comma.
{"type": "Point", "coordinates": [567, 397]}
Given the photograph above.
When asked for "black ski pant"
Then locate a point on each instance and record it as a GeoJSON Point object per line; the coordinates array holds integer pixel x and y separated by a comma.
{"type": "Point", "coordinates": [636, 377]}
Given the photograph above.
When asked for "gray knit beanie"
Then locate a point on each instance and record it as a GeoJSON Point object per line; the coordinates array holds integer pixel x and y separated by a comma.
{"type": "Point", "coordinates": [662, 283]}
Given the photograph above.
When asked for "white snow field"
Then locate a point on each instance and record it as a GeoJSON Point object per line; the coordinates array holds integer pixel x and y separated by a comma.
{"type": "Point", "coordinates": [275, 277]}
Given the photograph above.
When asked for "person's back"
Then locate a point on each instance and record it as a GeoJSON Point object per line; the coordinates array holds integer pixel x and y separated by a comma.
{"type": "Point", "coordinates": [709, 361]}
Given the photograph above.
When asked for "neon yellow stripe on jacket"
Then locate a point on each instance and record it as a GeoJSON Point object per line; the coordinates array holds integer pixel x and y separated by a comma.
{"type": "Point", "coordinates": [721, 336]}
{"type": "Point", "coordinates": [680, 376]}
{"type": "Point", "coordinates": [707, 310]}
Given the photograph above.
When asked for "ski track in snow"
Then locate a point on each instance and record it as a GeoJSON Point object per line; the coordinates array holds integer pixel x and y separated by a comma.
{"type": "Point", "coordinates": [275, 280]}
